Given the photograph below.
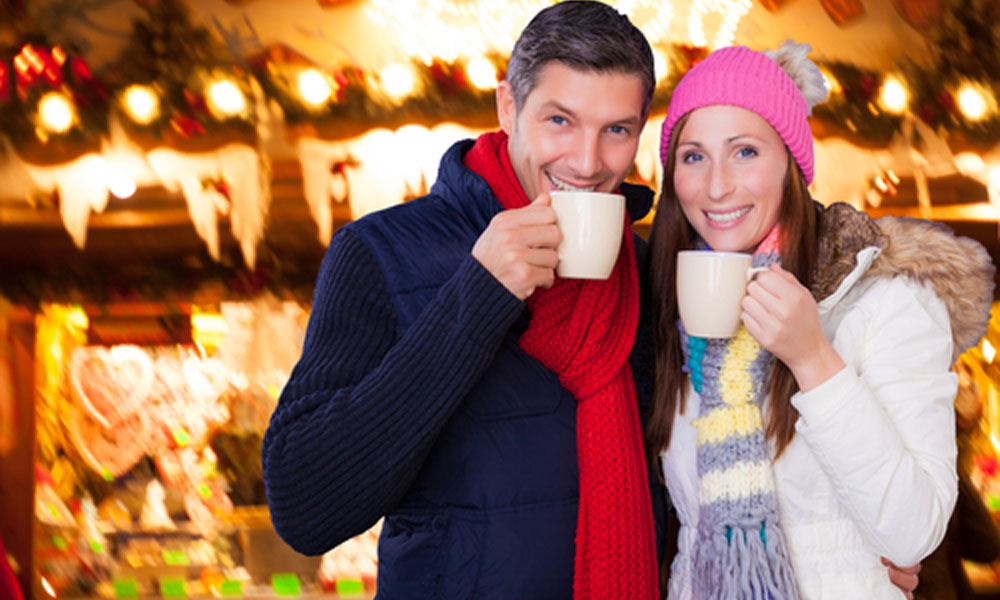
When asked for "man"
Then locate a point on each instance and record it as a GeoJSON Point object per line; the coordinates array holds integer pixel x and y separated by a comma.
{"type": "Point", "coordinates": [451, 383]}
{"type": "Point", "coordinates": [414, 398]}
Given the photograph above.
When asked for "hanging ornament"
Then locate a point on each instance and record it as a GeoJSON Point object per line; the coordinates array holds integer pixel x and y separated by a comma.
{"type": "Point", "coordinates": [922, 15]}
{"type": "Point", "coordinates": [5, 73]}
{"type": "Point", "coordinates": [772, 5]}
{"type": "Point", "coordinates": [843, 12]}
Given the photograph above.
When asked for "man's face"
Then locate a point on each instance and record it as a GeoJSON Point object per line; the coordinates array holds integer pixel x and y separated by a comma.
{"type": "Point", "coordinates": [576, 130]}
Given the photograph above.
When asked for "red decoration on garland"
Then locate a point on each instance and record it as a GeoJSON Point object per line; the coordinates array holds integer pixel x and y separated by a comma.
{"type": "Point", "coordinates": [187, 126]}
{"type": "Point", "coordinates": [843, 11]}
{"type": "Point", "coordinates": [4, 82]}
{"type": "Point", "coordinates": [36, 62]}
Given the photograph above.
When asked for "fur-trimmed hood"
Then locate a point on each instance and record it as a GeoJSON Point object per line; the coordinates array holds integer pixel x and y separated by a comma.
{"type": "Point", "coordinates": [958, 269]}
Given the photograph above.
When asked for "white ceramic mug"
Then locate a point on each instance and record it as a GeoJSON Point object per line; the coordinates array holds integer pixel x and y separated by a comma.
{"type": "Point", "coordinates": [710, 286]}
{"type": "Point", "coordinates": [592, 225]}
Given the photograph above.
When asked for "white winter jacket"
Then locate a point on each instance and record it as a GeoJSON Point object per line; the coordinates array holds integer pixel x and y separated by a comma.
{"type": "Point", "coordinates": [871, 469]}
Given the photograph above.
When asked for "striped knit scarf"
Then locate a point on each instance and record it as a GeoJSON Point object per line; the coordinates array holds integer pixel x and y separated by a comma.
{"type": "Point", "coordinates": [740, 550]}
{"type": "Point", "coordinates": [583, 330]}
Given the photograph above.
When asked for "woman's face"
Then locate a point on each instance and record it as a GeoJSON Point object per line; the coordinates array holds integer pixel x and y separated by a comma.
{"type": "Point", "coordinates": [729, 176]}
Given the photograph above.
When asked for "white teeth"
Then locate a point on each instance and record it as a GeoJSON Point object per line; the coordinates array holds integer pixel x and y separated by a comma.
{"type": "Point", "coordinates": [566, 187]}
{"type": "Point", "coordinates": [727, 216]}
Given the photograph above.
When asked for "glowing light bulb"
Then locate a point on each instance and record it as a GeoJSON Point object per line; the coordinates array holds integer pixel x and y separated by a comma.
{"type": "Point", "coordinates": [973, 102]}
{"type": "Point", "coordinates": [56, 112]}
{"type": "Point", "coordinates": [314, 87]}
{"type": "Point", "coordinates": [121, 185]}
{"type": "Point", "coordinates": [397, 81]}
{"type": "Point", "coordinates": [482, 73]}
{"type": "Point", "coordinates": [225, 99]}
{"type": "Point", "coordinates": [893, 97]}
{"type": "Point", "coordinates": [142, 104]}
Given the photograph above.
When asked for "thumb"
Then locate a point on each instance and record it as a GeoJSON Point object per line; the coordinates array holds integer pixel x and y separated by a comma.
{"type": "Point", "coordinates": [542, 199]}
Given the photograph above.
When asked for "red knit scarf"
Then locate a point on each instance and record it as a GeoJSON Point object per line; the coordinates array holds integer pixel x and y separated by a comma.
{"type": "Point", "coordinates": [583, 330]}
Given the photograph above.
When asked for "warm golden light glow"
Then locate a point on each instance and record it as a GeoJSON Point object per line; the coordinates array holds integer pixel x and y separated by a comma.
{"type": "Point", "coordinates": [225, 99]}
{"type": "Point", "coordinates": [48, 587]}
{"type": "Point", "coordinates": [121, 185]}
{"type": "Point", "coordinates": [142, 104]}
{"type": "Point", "coordinates": [465, 28]}
{"type": "Point", "coordinates": [661, 66]}
{"type": "Point", "coordinates": [975, 102]}
{"type": "Point", "coordinates": [729, 11]}
{"type": "Point", "coordinates": [397, 81]}
{"type": "Point", "coordinates": [893, 97]}
{"type": "Point", "coordinates": [314, 87]}
{"type": "Point", "coordinates": [482, 73]}
{"type": "Point", "coordinates": [832, 83]}
{"type": "Point", "coordinates": [995, 177]}
{"type": "Point", "coordinates": [56, 112]}
{"type": "Point", "coordinates": [969, 163]}
{"type": "Point", "coordinates": [652, 17]}
{"type": "Point", "coordinates": [989, 352]}
{"type": "Point", "coordinates": [207, 330]}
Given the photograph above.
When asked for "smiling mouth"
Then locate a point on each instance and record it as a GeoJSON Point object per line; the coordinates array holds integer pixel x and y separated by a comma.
{"type": "Point", "coordinates": [568, 187]}
{"type": "Point", "coordinates": [727, 217]}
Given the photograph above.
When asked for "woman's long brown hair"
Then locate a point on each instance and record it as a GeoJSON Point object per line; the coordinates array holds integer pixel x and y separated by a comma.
{"type": "Point", "coordinates": [671, 233]}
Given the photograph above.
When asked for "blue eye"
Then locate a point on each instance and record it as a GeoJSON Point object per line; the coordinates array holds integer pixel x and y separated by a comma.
{"type": "Point", "coordinates": [748, 152]}
{"type": "Point", "coordinates": [691, 157]}
{"type": "Point", "coordinates": [558, 120]}
{"type": "Point", "coordinates": [617, 129]}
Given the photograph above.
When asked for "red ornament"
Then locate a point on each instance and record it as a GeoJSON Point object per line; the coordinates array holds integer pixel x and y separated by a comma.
{"type": "Point", "coordinates": [772, 5]}
{"type": "Point", "coordinates": [80, 70]}
{"type": "Point", "coordinates": [868, 84]}
{"type": "Point", "coordinates": [922, 15]}
{"type": "Point", "coordinates": [946, 101]}
{"type": "Point", "coordinates": [196, 102]}
{"type": "Point", "coordinates": [843, 11]}
{"type": "Point", "coordinates": [987, 464]}
{"type": "Point", "coordinates": [926, 114]}
{"type": "Point", "coordinates": [187, 126]}
{"type": "Point", "coordinates": [4, 82]}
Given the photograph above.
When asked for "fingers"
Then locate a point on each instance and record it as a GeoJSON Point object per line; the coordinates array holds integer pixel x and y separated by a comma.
{"type": "Point", "coordinates": [518, 247]}
{"type": "Point", "coordinates": [905, 578]}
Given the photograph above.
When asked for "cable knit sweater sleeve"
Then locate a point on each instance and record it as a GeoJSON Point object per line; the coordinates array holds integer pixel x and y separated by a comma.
{"type": "Point", "coordinates": [364, 405]}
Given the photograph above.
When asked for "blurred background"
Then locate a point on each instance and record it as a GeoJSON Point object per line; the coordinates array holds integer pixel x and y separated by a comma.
{"type": "Point", "coordinates": [171, 174]}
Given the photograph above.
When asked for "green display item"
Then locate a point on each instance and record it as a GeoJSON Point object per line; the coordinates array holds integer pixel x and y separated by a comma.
{"type": "Point", "coordinates": [176, 558]}
{"type": "Point", "coordinates": [173, 587]}
{"type": "Point", "coordinates": [59, 543]}
{"type": "Point", "coordinates": [230, 588]}
{"type": "Point", "coordinates": [126, 587]}
{"type": "Point", "coordinates": [286, 584]}
{"type": "Point", "coordinates": [350, 588]}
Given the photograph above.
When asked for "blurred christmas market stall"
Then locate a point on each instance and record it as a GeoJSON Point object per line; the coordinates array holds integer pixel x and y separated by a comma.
{"type": "Point", "coordinates": [171, 173]}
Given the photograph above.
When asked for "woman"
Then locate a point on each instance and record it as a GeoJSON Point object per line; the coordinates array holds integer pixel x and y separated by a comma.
{"type": "Point", "coordinates": [821, 437]}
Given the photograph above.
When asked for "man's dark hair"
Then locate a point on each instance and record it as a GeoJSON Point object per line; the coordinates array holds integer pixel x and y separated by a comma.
{"type": "Point", "coordinates": [583, 35]}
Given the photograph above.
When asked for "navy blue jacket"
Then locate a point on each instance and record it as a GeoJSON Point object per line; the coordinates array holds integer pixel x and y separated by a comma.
{"type": "Point", "coordinates": [413, 400]}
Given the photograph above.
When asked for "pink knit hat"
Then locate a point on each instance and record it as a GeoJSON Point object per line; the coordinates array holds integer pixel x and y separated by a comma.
{"type": "Point", "coordinates": [739, 76]}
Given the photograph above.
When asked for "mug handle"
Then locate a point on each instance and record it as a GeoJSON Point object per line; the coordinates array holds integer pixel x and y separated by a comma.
{"type": "Point", "coordinates": [752, 272]}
